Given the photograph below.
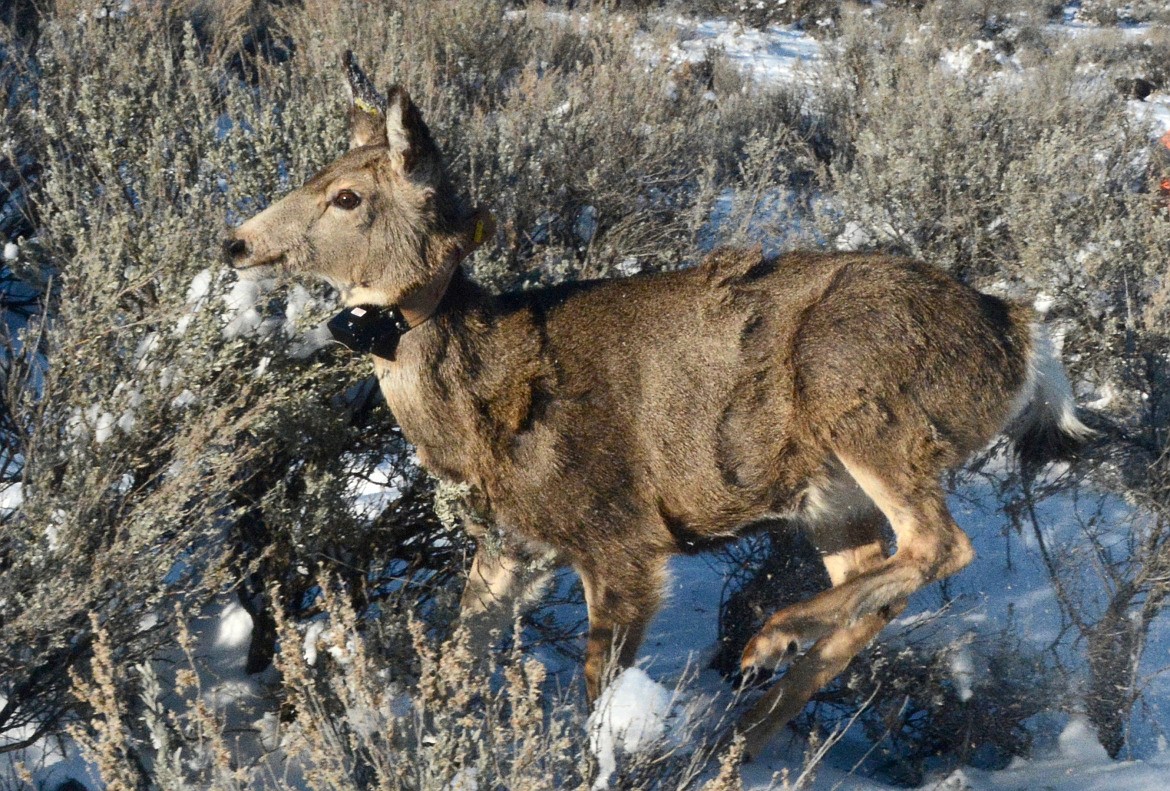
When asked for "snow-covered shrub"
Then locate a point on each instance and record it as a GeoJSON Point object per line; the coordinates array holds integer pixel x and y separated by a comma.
{"type": "Point", "coordinates": [929, 702]}
{"type": "Point", "coordinates": [1139, 65]}
{"type": "Point", "coordinates": [348, 721]}
{"type": "Point", "coordinates": [1029, 181]}
{"type": "Point", "coordinates": [165, 439]}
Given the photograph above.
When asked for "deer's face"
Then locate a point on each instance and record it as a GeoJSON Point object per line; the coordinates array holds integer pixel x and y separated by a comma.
{"type": "Point", "coordinates": [377, 223]}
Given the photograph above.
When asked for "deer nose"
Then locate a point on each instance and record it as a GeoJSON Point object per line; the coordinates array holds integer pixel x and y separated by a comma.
{"type": "Point", "coordinates": [235, 248]}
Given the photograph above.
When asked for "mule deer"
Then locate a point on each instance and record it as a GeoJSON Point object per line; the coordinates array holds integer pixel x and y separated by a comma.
{"type": "Point", "coordinates": [611, 424]}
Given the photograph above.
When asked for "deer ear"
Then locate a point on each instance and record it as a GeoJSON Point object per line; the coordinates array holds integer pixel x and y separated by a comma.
{"type": "Point", "coordinates": [367, 107]}
{"type": "Point", "coordinates": [406, 133]}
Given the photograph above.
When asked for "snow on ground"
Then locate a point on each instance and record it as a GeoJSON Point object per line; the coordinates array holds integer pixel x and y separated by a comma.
{"type": "Point", "coordinates": [1078, 764]}
{"type": "Point", "coordinates": [50, 762]}
{"type": "Point", "coordinates": [1156, 106]}
{"type": "Point", "coordinates": [1155, 109]}
{"type": "Point", "coordinates": [11, 497]}
{"type": "Point", "coordinates": [779, 54]}
{"type": "Point", "coordinates": [222, 635]}
{"type": "Point", "coordinates": [373, 492]}
{"type": "Point", "coordinates": [783, 54]}
{"type": "Point", "coordinates": [1007, 583]}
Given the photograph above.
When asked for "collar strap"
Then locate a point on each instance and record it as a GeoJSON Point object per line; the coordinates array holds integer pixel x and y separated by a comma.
{"type": "Point", "coordinates": [376, 329]}
{"type": "Point", "coordinates": [421, 303]}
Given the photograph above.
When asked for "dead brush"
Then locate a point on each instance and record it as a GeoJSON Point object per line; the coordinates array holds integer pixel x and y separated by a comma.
{"type": "Point", "coordinates": [445, 710]}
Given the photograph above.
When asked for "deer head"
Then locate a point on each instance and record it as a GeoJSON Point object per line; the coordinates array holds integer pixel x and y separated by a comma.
{"type": "Point", "coordinates": [381, 223]}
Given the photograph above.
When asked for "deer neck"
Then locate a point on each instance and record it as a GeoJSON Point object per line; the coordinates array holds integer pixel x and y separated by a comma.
{"type": "Point", "coordinates": [459, 381]}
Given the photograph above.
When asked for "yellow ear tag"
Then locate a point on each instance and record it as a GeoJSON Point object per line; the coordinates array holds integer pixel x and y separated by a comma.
{"type": "Point", "coordinates": [365, 106]}
{"type": "Point", "coordinates": [478, 237]}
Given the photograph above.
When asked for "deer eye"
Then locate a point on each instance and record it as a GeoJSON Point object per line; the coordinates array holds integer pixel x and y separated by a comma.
{"type": "Point", "coordinates": [347, 199]}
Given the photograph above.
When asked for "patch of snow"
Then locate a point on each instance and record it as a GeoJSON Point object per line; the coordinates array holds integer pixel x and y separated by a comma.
{"type": "Point", "coordinates": [242, 315]}
{"type": "Point", "coordinates": [52, 763]}
{"type": "Point", "coordinates": [963, 672]}
{"type": "Point", "coordinates": [629, 266]}
{"type": "Point", "coordinates": [199, 288]}
{"type": "Point", "coordinates": [466, 779]}
{"type": "Point", "coordinates": [126, 421]}
{"type": "Point", "coordinates": [853, 237]}
{"type": "Point", "coordinates": [372, 492]}
{"type": "Point", "coordinates": [961, 60]}
{"type": "Point", "coordinates": [235, 627]}
{"type": "Point", "coordinates": [1078, 742]}
{"type": "Point", "coordinates": [1155, 109]}
{"type": "Point", "coordinates": [1043, 303]}
{"type": "Point", "coordinates": [780, 54]}
{"type": "Point", "coordinates": [309, 646]}
{"type": "Point", "coordinates": [342, 655]}
{"type": "Point", "coordinates": [103, 424]}
{"type": "Point", "coordinates": [11, 498]}
{"type": "Point", "coordinates": [11, 251]}
{"type": "Point", "coordinates": [268, 728]}
{"type": "Point", "coordinates": [629, 716]}
{"type": "Point", "coordinates": [299, 304]}
{"type": "Point", "coordinates": [148, 622]}
{"type": "Point", "coordinates": [145, 348]}
{"type": "Point", "coordinates": [771, 218]}
{"type": "Point", "coordinates": [198, 291]}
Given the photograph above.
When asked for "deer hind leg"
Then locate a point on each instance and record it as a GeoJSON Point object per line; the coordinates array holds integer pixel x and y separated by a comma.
{"type": "Point", "coordinates": [821, 664]}
{"type": "Point", "coordinates": [848, 551]}
{"type": "Point", "coordinates": [621, 605]}
{"type": "Point", "coordinates": [849, 544]}
{"type": "Point", "coordinates": [930, 547]}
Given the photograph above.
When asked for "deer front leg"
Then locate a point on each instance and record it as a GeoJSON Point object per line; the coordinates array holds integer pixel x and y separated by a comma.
{"type": "Point", "coordinates": [506, 576]}
{"type": "Point", "coordinates": [622, 601]}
